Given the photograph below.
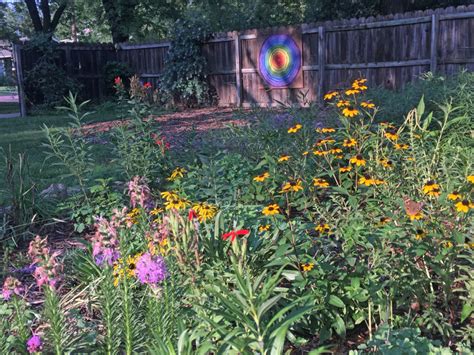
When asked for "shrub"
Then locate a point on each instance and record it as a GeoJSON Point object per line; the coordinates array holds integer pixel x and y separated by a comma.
{"type": "Point", "coordinates": [113, 70]}
{"type": "Point", "coordinates": [184, 80]}
{"type": "Point", "coordinates": [46, 83]}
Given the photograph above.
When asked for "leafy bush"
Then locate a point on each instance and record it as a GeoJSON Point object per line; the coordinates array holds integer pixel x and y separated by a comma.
{"type": "Point", "coordinates": [184, 79]}
{"type": "Point", "coordinates": [113, 70]}
{"type": "Point", "coordinates": [46, 83]}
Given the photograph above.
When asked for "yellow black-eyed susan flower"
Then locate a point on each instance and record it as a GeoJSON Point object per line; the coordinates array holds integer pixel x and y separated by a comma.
{"type": "Point", "coordinates": [367, 181]}
{"type": "Point", "coordinates": [295, 128]}
{"type": "Point", "coordinates": [420, 234]}
{"type": "Point", "coordinates": [168, 195]}
{"type": "Point", "coordinates": [326, 130]}
{"type": "Point", "coordinates": [320, 152]}
{"type": "Point", "coordinates": [367, 104]}
{"type": "Point", "coordinates": [204, 211]}
{"type": "Point", "coordinates": [319, 182]}
{"type": "Point", "coordinates": [453, 196]}
{"type": "Point", "coordinates": [261, 177]}
{"type": "Point", "coordinates": [470, 178]}
{"type": "Point", "coordinates": [176, 203]}
{"type": "Point", "coordinates": [345, 169]}
{"type": "Point", "coordinates": [307, 266]}
{"type": "Point", "coordinates": [463, 206]}
{"type": "Point", "coordinates": [350, 111]}
{"type": "Point", "coordinates": [343, 103]}
{"type": "Point", "coordinates": [358, 160]}
{"type": "Point", "coordinates": [335, 151]}
{"type": "Point", "coordinates": [292, 186]}
{"type": "Point", "coordinates": [330, 95]}
{"type": "Point", "coordinates": [391, 136]}
{"type": "Point", "coordinates": [264, 228]}
{"type": "Point", "coordinates": [352, 92]}
{"type": "Point", "coordinates": [359, 84]}
{"type": "Point", "coordinates": [401, 146]}
{"type": "Point", "coordinates": [322, 228]}
{"type": "Point", "coordinates": [271, 210]}
{"type": "Point", "coordinates": [156, 211]}
{"type": "Point", "coordinates": [350, 142]}
{"type": "Point", "coordinates": [177, 174]}
{"type": "Point", "coordinates": [415, 216]}
{"type": "Point", "coordinates": [386, 163]}
{"type": "Point", "coordinates": [283, 158]}
{"type": "Point", "coordinates": [325, 141]}
{"type": "Point", "coordinates": [430, 186]}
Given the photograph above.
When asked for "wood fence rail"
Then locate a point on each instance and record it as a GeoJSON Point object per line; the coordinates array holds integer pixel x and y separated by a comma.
{"type": "Point", "coordinates": [389, 51]}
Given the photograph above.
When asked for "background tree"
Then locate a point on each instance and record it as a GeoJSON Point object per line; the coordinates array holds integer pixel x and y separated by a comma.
{"type": "Point", "coordinates": [47, 22]}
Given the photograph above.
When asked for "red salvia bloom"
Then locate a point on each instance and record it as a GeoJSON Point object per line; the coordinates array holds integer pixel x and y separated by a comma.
{"type": "Point", "coordinates": [118, 80]}
{"type": "Point", "coordinates": [147, 85]}
{"type": "Point", "coordinates": [234, 234]}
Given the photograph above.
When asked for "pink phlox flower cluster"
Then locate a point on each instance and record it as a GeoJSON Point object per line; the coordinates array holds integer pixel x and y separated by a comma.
{"type": "Point", "coordinates": [151, 269]}
{"type": "Point", "coordinates": [105, 242]}
{"type": "Point", "coordinates": [139, 192]}
{"type": "Point", "coordinates": [11, 286]}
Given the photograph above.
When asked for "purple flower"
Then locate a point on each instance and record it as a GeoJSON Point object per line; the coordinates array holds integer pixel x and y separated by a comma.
{"type": "Point", "coordinates": [151, 269]}
{"type": "Point", "coordinates": [34, 344]}
{"type": "Point", "coordinates": [11, 286]}
{"type": "Point", "coordinates": [105, 241]}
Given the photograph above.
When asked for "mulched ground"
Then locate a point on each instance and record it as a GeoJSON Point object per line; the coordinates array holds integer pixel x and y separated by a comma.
{"type": "Point", "coordinates": [197, 120]}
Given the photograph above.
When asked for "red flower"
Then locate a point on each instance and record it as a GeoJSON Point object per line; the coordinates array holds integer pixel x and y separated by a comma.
{"type": "Point", "coordinates": [147, 85]}
{"type": "Point", "coordinates": [192, 215]}
{"type": "Point", "coordinates": [234, 234]}
{"type": "Point", "coordinates": [118, 80]}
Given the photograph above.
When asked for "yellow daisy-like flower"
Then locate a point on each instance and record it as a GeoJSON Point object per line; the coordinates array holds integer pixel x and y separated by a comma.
{"type": "Point", "coordinates": [264, 228]}
{"type": "Point", "coordinates": [359, 84]}
{"type": "Point", "coordinates": [386, 163]}
{"type": "Point", "coordinates": [293, 186]}
{"type": "Point", "coordinates": [453, 196]}
{"type": "Point", "coordinates": [391, 136]}
{"type": "Point", "coordinates": [305, 153]}
{"type": "Point", "coordinates": [307, 267]}
{"type": "Point", "coordinates": [320, 183]}
{"type": "Point", "coordinates": [204, 211]}
{"type": "Point", "coordinates": [325, 130]}
{"type": "Point", "coordinates": [335, 150]}
{"type": "Point", "coordinates": [343, 103]}
{"type": "Point", "coordinates": [367, 104]}
{"type": "Point", "coordinates": [470, 178]}
{"type": "Point", "coordinates": [295, 128]}
{"type": "Point", "coordinates": [176, 203]}
{"type": "Point", "coordinates": [447, 244]}
{"type": "Point", "coordinates": [420, 234]}
{"type": "Point", "coordinates": [325, 141]}
{"type": "Point", "coordinates": [283, 158]}
{"type": "Point", "coordinates": [323, 228]}
{"type": "Point", "coordinates": [177, 174]}
{"type": "Point", "coordinates": [463, 206]}
{"type": "Point", "coordinates": [330, 95]}
{"type": "Point", "coordinates": [351, 142]}
{"type": "Point", "coordinates": [358, 160]}
{"type": "Point", "coordinates": [352, 92]}
{"type": "Point", "coordinates": [345, 169]}
{"type": "Point", "coordinates": [430, 186]}
{"type": "Point", "coordinates": [132, 215]}
{"type": "Point", "coordinates": [168, 195]}
{"type": "Point", "coordinates": [261, 177]}
{"type": "Point", "coordinates": [350, 111]}
{"type": "Point", "coordinates": [156, 211]}
{"type": "Point", "coordinates": [401, 146]}
{"type": "Point", "coordinates": [121, 269]}
{"type": "Point", "coordinates": [415, 216]}
{"type": "Point", "coordinates": [367, 181]}
{"type": "Point", "coordinates": [320, 152]}
{"type": "Point", "coordinates": [271, 210]}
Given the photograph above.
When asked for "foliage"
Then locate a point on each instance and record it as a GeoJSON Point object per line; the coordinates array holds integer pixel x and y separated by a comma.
{"type": "Point", "coordinates": [46, 83]}
{"type": "Point", "coordinates": [300, 235]}
{"type": "Point", "coordinates": [113, 70]}
{"type": "Point", "coordinates": [184, 77]}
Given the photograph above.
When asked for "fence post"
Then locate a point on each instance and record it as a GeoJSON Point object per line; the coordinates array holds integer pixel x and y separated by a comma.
{"type": "Point", "coordinates": [19, 79]}
{"type": "Point", "coordinates": [321, 61]}
{"type": "Point", "coordinates": [238, 76]}
{"type": "Point", "coordinates": [434, 42]}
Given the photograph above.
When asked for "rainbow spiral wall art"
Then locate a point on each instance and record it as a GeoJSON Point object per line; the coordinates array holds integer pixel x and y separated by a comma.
{"type": "Point", "coordinates": [279, 61]}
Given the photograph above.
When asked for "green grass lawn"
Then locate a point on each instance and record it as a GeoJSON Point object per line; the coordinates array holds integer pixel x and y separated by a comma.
{"type": "Point", "coordinates": [9, 107]}
{"type": "Point", "coordinates": [25, 135]}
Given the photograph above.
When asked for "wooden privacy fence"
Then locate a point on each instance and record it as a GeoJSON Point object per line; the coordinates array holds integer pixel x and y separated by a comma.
{"type": "Point", "coordinates": [388, 51]}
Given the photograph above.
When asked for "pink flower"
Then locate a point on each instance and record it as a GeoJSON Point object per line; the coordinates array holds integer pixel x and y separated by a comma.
{"type": "Point", "coordinates": [48, 268]}
{"type": "Point", "coordinates": [151, 269]}
{"type": "Point", "coordinates": [118, 81]}
{"type": "Point", "coordinates": [11, 286]}
{"type": "Point", "coordinates": [139, 192]}
{"type": "Point", "coordinates": [105, 242]}
{"type": "Point", "coordinates": [34, 344]}
{"type": "Point", "coordinates": [147, 85]}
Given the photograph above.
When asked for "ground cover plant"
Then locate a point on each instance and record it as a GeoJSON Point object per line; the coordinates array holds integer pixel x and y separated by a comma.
{"type": "Point", "coordinates": [300, 235]}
